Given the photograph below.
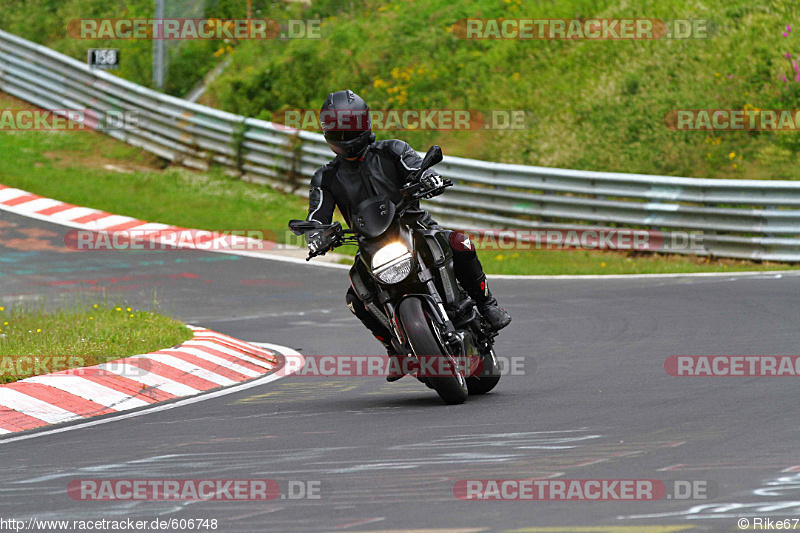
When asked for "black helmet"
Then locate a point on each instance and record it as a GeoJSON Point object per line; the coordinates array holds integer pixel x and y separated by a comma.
{"type": "Point", "coordinates": [345, 121]}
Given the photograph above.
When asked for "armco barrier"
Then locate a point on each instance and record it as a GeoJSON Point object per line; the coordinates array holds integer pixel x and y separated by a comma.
{"type": "Point", "coordinates": [751, 219]}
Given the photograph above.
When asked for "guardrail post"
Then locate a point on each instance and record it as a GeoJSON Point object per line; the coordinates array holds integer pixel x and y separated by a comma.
{"type": "Point", "coordinates": [754, 219]}
{"type": "Point", "coordinates": [237, 138]}
{"type": "Point", "coordinates": [296, 178]}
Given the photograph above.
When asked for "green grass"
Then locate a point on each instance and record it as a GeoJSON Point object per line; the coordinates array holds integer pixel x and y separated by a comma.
{"type": "Point", "coordinates": [35, 340]}
{"type": "Point", "coordinates": [72, 167]}
{"type": "Point", "coordinates": [46, 22]}
{"type": "Point", "coordinates": [595, 262]}
{"type": "Point", "coordinates": [597, 105]}
{"type": "Point", "coordinates": [584, 262]}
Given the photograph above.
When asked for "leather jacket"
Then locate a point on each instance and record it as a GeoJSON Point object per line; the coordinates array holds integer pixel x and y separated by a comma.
{"type": "Point", "coordinates": [383, 169]}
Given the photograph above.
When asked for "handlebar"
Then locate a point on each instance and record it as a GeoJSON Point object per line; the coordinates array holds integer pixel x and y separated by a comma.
{"type": "Point", "coordinates": [334, 235]}
{"type": "Point", "coordinates": [416, 191]}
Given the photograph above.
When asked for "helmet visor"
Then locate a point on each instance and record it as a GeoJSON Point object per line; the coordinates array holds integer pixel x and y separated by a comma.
{"type": "Point", "coordinates": [342, 135]}
{"type": "Point", "coordinates": [353, 147]}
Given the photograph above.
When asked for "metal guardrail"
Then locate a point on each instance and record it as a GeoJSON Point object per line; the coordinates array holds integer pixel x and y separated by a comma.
{"type": "Point", "coordinates": [751, 219]}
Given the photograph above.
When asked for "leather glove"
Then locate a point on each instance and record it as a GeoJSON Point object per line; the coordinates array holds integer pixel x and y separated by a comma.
{"type": "Point", "coordinates": [433, 182]}
{"type": "Point", "coordinates": [317, 242]}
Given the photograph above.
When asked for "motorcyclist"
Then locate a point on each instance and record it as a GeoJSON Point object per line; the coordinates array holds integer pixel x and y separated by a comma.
{"type": "Point", "coordinates": [364, 167]}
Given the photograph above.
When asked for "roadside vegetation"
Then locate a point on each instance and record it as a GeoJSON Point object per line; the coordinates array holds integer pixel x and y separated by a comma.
{"type": "Point", "coordinates": [592, 104]}
{"type": "Point", "coordinates": [37, 340]}
{"type": "Point", "coordinates": [188, 60]}
{"type": "Point", "coordinates": [88, 169]}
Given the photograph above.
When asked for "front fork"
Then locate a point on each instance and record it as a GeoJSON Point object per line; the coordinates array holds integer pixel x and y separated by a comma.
{"type": "Point", "coordinates": [453, 341]}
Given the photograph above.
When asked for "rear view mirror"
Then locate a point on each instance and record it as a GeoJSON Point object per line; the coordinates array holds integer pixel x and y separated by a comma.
{"type": "Point", "coordinates": [432, 157]}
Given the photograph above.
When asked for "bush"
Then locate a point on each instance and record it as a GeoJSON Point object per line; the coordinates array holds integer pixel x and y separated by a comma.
{"type": "Point", "coordinates": [594, 104]}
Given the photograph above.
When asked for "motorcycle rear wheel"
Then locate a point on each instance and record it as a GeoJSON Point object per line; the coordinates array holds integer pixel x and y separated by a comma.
{"type": "Point", "coordinates": [487, 379]}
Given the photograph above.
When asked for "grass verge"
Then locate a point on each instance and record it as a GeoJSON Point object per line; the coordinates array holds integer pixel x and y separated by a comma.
{"type": "Point", "coordinates": [88, 169]}
{"type": "Point", "coordinates": [35, 340]}
{"type": "Point", "coordinates": [585, 262]}
{"type": "Point", "coordinates": [595, 104]}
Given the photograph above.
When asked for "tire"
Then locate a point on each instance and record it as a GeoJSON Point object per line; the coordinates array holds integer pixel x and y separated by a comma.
{"type": "Point", "coordinates": [487, 379]}
{"type": "Point", "coordinates": [419, 330]}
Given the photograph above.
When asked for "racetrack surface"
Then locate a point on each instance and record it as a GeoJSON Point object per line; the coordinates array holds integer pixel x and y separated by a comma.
{"type": "Point", "coordinates": [593, 401]}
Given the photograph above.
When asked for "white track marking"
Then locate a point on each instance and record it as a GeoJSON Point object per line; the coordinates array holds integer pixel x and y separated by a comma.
{"type": "Point", "coordinates": [39, 204]}
{"type": "Point", "coordinates": [67, 217]}
{"type": "Point", "coordinates": [224, 338]}
{"type": "Point", "coordinates": [150, 226]}
{"type": "Point", "coordinates": [280, 258]}
{"type": "Point", "coordinates": [107, 222]}
{"type": "Point", "coordinates": [189, 368]}
{"type": "Point", "coordinates": [89, 390]}
{"type": "Point", "coordinates": [770, 273]}
{"type": "Point", "coordinates": [230, 365]}
{"type": "Point", "coordinates": [28, 405]}
{"type": "Point", "coordinates": [230, 351]}
{"type": "Point", "coordinates": [150, 379]}
{"type": "Point", "coordinates": [10, 194]}
{"type": "Point", "coordinates": [288, 353]}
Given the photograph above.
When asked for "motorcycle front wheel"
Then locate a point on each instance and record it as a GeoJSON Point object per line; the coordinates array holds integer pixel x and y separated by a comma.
{"type": "Point", "coordinates": [420, 330]}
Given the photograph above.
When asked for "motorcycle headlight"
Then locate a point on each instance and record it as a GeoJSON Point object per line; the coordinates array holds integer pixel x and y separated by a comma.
{"type": "Point", "coordinates": [392, 263]}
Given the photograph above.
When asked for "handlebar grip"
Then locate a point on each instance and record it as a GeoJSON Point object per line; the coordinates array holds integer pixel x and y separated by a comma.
{"type": "Point", "coordinates": [315, 254]}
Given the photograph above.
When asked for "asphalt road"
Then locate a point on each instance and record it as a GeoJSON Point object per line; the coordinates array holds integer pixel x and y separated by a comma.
{"type": "Point", "coordinates": [590, 400]}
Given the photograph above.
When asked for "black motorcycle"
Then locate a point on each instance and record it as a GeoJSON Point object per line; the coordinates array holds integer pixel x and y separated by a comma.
{"type": "Point", "coordinates": [405, 277]}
